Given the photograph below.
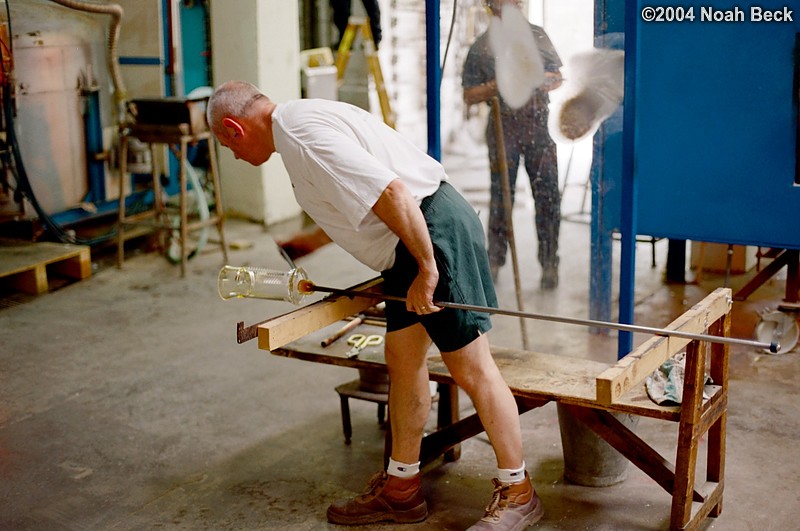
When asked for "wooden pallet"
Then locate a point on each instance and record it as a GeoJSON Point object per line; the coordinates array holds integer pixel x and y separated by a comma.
{"type": "Point", "coordinates": [25, 266]}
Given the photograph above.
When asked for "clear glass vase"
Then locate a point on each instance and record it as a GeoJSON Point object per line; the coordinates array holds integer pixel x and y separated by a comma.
{"type": "Point", "coordinates": [261, 283]}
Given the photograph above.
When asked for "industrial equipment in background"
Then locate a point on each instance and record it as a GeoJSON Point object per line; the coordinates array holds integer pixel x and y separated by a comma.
{"type": "Point", "coordinates": [58, 114]}
{"type": "Point", "coordinates": [178, 123]}
{"type": "Point", "coordinates": [65, 107]}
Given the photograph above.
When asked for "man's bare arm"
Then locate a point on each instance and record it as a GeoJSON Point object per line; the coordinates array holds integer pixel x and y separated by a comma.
{"type": "Point", "coordinates": [397, 208]}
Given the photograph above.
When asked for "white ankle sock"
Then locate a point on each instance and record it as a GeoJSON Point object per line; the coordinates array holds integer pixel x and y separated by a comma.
{"type": "Point", "coordinates": [511, 475]}
{"type": "Point", "coordinates": [402, 470]}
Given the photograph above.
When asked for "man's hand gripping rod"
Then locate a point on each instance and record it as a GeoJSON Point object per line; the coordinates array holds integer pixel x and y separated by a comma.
{"type": "Point", "coordinates": [307, 286]}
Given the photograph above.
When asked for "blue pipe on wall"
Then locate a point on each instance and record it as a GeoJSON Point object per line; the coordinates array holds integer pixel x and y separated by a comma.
{"type": "Point", "coordinates": [629, 207]}
{"type": "Point", "coordinates": [93, 133]}
{"type": "Point", "coordinates": [434, 76]}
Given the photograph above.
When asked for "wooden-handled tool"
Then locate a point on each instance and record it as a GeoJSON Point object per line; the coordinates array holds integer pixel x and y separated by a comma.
{"type": "Point", "coordinates": [342, 331]}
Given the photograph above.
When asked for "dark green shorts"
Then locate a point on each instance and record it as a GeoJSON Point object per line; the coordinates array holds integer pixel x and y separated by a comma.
{"type": "Point", "coordinates": [464, 275]}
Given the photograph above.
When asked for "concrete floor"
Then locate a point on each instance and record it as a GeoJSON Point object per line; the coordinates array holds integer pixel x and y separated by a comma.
{"type": "Point", "coordinates": [126, 403]}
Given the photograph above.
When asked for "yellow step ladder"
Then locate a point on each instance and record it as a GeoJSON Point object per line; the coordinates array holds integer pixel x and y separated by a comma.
{"type": "Point", "coordinates": [371, 53]}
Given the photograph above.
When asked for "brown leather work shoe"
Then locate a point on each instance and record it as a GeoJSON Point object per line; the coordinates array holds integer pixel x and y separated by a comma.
{"type": "Point", "coordinates": [387, 499]}
{"type": "Point", "coordinates": [513, 508]}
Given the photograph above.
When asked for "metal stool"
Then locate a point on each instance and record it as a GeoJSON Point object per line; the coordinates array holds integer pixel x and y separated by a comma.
{"type": "Point", "coordinates": [353, 390]}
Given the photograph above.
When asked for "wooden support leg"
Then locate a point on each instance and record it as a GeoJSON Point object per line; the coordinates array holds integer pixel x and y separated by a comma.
{"type": "Point", "coordinates": [716, 435]}
{"type": "Point", "coordinates": [762, 276]}
{"type": "Point", "coordinates": [689, 433]}
{"type": "Point", "coordinates": [123, 172]}
{"type": "Point", "coordinates": [716, 458]}
{"type": "Point", "coordinates": [158, 199]}
{"type": "Point", "coordinates": [212, 161]}
{"type": "Point", "coordinates": [447, 415]}
{"type": "Point", "coordinates": [686, 464]}
{"type": "Point", "coordinates": [184, 227]}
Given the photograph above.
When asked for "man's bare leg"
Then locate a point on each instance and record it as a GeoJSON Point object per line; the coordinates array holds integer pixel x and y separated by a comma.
{"type": "Point", "coordinates": [409, 392]}
{"type": "Point", "coordinates": [514, 504]}
{"type": "Point", "coordinates": [475, 371]}
{"type": "Point", "coordinates": [395, 495]}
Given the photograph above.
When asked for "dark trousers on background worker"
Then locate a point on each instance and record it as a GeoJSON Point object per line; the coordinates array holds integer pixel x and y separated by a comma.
{"type": "Point", "coordinates": [528, 140]}
{"type": "Point", "coordinates": [341, 14]}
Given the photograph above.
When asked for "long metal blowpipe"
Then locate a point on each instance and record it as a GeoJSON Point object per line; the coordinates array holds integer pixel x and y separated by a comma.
{"type": "Point", "coordinates": [308, 286]}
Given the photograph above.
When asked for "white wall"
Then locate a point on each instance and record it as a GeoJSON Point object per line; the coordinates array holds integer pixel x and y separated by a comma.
{"type": "Point", "coordinates": [257, 41]}
{"type": "Point", "coordinates": [570, 25]}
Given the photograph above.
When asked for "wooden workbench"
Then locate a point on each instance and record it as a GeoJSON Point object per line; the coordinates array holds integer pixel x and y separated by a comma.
{"type": "Point", "coordinates": [590, 391]}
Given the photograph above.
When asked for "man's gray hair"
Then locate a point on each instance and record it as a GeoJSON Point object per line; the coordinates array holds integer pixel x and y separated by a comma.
{"type": "Point", "coordinates": [234, 99]}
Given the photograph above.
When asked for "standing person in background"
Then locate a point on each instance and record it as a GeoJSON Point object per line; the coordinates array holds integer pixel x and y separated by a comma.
{"type": "Point", "coordinates": [526, 136]}
{"type": "Point", "coordinates": [341, 14]}
{"type": "Point", "coordinates": [389, 205]}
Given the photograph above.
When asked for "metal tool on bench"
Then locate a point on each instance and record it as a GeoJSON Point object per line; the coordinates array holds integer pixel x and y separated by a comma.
{"type": "Point", "coordinates": [293, 286]}
{"type": "Point", "coordinates": [307, 286]}
{"type": "Point", "coordinates": [360, 341]}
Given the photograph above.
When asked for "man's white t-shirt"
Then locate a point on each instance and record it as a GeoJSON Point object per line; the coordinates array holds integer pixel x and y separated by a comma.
{"type": "Point", "coordinates": [340, 159]}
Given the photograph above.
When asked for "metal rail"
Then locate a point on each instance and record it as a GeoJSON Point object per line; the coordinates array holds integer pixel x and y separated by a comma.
{"type": "Point", "coordinates": [309, 286]}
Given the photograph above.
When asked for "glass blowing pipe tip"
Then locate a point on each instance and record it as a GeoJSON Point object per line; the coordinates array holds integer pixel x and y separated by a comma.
{"type": "Point", "coordinates": [305, 286]}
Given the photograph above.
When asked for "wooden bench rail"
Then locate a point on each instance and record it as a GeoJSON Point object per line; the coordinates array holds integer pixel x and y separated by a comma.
{"type": "Point", "coordinates": [648, 357]}
{"type": "Point", "coordinates": [277, 332]}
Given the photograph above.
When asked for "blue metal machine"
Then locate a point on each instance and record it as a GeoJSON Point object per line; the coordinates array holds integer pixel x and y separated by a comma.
{"type": "Point", "coordinates": [710, 137]}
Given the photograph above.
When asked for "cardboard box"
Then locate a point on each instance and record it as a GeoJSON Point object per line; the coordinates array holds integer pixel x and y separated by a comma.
{"type": "Point", "coordinates": [715, 257]}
